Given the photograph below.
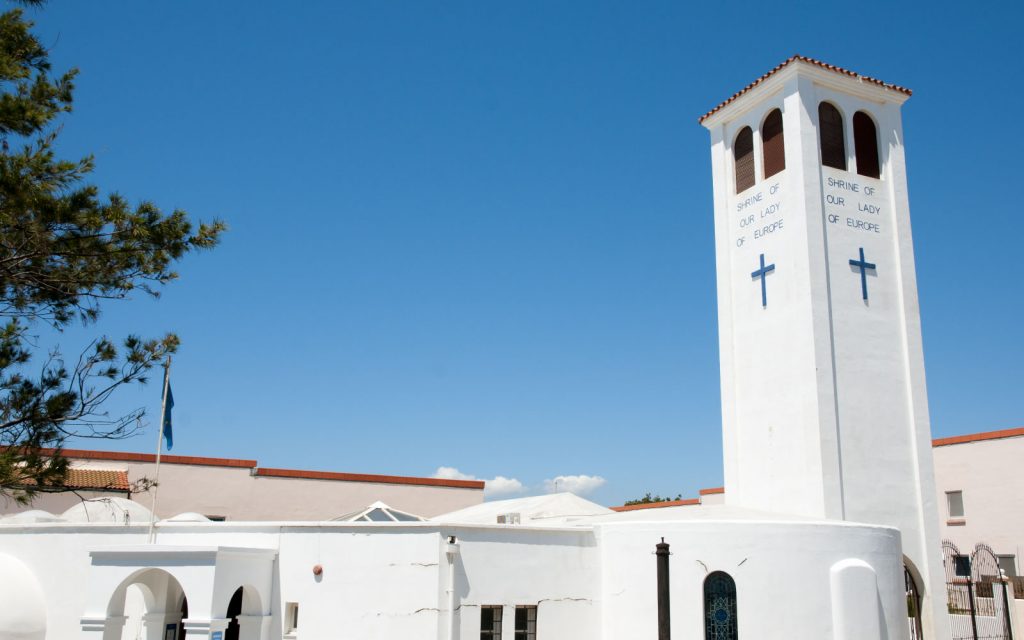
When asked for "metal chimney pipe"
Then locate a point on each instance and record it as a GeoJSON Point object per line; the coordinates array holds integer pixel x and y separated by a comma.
{"type": "Point", "coordinates": [664, 622]}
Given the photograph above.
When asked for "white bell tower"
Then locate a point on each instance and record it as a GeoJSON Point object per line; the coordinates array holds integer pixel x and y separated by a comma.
{"type": "Point", "coordinates": [824, 405]}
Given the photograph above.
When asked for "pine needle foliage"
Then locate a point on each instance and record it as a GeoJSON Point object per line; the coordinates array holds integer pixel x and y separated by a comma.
{"type": "Point", "coordinates": [65, 250]}
{"type": "Point", "coordinates": [648, 498]}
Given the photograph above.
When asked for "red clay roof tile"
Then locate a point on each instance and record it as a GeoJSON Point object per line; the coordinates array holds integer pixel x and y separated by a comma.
{"type": "Point", "coordinates": [82, 454]}
{"type": "Point", "coordinates": [109, 479]}
{"type": "Point", "coordinates": [817, 63]}
{"type": "Point", "coordinates": [366, 477]}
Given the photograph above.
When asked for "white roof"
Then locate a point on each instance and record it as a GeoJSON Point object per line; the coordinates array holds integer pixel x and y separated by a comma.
{"type": "Point", "coordinates": [35, 515]}
{"type": "Point", "coordinates": [108, 510]}
{"type": "Point", "coordinates": [188, 516]}
{"type": "Point", "coordinates": [538, 511]}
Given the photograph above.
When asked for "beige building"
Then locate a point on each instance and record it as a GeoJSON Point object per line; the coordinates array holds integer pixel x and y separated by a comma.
{"type": "Point", "coordinates": [230, 489]}
{"type": "Point", "coordinates": [981, 493]}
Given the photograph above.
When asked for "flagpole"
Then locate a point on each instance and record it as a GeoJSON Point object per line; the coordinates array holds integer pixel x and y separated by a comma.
{"type": "Point", "coordinates": [159, 447]}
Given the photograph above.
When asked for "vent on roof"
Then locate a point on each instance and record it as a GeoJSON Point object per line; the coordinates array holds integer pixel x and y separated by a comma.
{"type": "Point", "coordinates": [508, 518]}
{"type": "Point", "coordinates": [379, 512]}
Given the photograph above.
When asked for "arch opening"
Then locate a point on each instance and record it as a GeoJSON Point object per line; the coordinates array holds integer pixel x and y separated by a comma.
{"type": "Point", "coordinates": [22, 601]}
{"type": "Point", "coordinates": [831, 136]}
{"type": "Point", "coordinates": [720, 607]}
{"type": "Point", "coordinates": [234, 610]}
{"type": "Point", "coordinates": [245, 601]}
{"type": "Point", "coordinates": [865, 143]}
{"type": "Point", "coordinates": [148, 596]}
{"type": "Point", "coordinates": [743, 156]}
{"type": "Point", "coordinates": [773, 146]}
{"type": "Point", "coordinates": [184, 615]}
{"type": "Point", "coordinates": [912, 581]}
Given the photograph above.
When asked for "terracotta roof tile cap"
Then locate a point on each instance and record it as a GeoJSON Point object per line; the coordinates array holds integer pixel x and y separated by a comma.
{"type": "Point", "coordinates": [657, 505]}
{"type": "Point", "coordinates": [979, 437]}
{"type": "Point", "coordinates": [805, 59]}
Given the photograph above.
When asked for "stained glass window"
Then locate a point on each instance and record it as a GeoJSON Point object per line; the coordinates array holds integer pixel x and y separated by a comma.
{"type": "Point", "coordinates": [719, 607]}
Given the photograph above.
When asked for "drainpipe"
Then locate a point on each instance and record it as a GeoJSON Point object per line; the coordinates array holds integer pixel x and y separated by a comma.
{"type": "Point", "coordinates": [664, 624]}
{"type": "Point", "coordinates": [452, 551]}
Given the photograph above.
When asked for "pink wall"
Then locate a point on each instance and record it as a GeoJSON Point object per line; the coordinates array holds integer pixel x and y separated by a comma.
{"type": "Point", "coordinates": [989, 473]}
{"type": "Point", "coordinates": [213, 488]}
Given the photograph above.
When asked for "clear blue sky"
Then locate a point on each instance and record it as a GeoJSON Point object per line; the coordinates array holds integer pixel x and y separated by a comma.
{"type": "Point", "coordinates": [479, 235]}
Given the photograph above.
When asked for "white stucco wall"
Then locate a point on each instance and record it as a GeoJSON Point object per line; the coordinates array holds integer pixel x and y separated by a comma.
{"type": "Point", "coordinates": [782, 574]}
{"type": "Point", "coordinates": [391, 581]}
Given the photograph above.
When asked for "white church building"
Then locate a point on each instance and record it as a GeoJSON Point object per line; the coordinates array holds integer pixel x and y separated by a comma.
{"type": "Point", "coordinates": [830, 499]}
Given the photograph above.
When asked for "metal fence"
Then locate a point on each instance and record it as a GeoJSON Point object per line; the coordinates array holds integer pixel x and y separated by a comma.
{"type": "Point", "coordinates": [976, 597]}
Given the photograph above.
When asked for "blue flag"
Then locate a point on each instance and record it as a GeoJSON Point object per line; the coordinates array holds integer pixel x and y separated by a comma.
{"type": "Point", "coordinates": [165, 420]}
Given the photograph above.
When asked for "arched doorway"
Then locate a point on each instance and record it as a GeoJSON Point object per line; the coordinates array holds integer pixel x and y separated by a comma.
{"type": "Point", "coordinates": [244, 609]}
{"type": "Point", "coordinates": [147, 598]}
{"type": "Point", "coordinates": [913, 604]}
{"type": "Point", "coordinates": [184, 615]}
{"type": "Point", "coordinates": [234, 610]}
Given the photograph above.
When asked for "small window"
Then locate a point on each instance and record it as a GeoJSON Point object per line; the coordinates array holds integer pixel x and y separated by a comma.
{"type": "Point", "coordinates": [217, 518]}
{"type": "Point", "coordinates": [955, 504]}
{"type": "Point", "coordinates": [832, 136]}
{"type": "Point", "coordinates": [962, 566]}
{"type": "Point", "coordinates": [526, 623]}
{"type": "Point", "coordinates": [490, 622]}
{"type": "Point", "coordinates": [743, 153]}
{"type": "Point", "coordinates": [291, 617]}
{"type": "Point", "coordinates": [865, 142]}
{"type": "Point", "coordinates": [1008, 565]}
{"type": "Point", "coordinates": [772, 144]}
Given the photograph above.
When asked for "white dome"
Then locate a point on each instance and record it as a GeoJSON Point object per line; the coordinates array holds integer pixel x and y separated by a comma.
{"type": "Point", "coordinates": [23, 615]}
{"type": "Point", "coordinates": [188, 516]}
{"type": "Point", "coordinates": [34, 515]}
{"type": "Point", "coordinates": [109, 510]}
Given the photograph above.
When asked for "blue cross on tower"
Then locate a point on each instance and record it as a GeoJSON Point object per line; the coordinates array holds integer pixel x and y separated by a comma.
{"type": "Point", "coordinates": [863, 266]}
{"type": "Point", "coordinates": [763, 273]}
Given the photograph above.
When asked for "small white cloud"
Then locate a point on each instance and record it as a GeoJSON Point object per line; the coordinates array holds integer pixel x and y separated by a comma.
{"type": "Point", "coordinates": [502, 486]}
{"type": "Point", "coordinates": [451, 473]}
{"type": "Point", "coordinates": [580, 485]}
{"type": "Point", "coordinates": [496, 486]}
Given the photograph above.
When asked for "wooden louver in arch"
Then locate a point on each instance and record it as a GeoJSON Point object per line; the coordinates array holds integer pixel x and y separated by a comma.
{"type": "Point", "coordinates": [831, 135]}
{"type": "Point", "coordinates": [743, 153]}
{"type": "Point", "coordinates": [773, 144]}
{"type": "Point", "coordinates": [865, 141]}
